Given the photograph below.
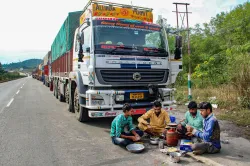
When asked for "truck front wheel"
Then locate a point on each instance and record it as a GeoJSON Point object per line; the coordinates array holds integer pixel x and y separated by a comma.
{"type": "Point", "coordinates": [81, 113]}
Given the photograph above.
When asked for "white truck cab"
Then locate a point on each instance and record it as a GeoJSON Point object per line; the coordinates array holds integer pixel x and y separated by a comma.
{"type": "Point", "coordinates": [119, 56]}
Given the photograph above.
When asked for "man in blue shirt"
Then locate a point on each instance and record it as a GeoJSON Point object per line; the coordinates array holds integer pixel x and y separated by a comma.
{"type": "Point", "coordinates": [210, 134]}
{"type": "Point", "coordinates": [119, 137]}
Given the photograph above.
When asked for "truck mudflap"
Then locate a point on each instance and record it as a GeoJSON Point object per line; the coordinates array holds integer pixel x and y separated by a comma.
{"type": "Point", "coordinates": [137, 111]}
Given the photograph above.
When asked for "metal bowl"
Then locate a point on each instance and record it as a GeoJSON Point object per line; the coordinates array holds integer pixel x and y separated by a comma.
{"type": "Point", "coordinates": [183, 153]}
{"type": "Point", "coordinates": [175, 157]}
{"type": "Point", "coordinates": [135, 148]}
{"type": "Point", "coordinates": [154, 140]}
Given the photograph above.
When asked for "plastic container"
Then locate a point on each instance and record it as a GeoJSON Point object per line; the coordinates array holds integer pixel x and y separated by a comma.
{"type": "Point", "coordinates": [161, 144]}
{"type": "Point", "coordinates": [185, 145]}
{"type": "Point", "coordinates": [172, 119]}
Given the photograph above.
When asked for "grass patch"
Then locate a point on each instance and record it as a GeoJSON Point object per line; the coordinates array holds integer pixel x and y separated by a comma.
{"type": "Point", "coordinates": [239, 117]}
{"type": "Point", "coordinates": [230, 105]}
{"type": "Point", "coordinates": [226, 96]}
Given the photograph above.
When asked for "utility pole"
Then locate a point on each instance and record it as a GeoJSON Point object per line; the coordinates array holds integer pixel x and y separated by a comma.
{"type": "Point", "coordinates": [189, 53]}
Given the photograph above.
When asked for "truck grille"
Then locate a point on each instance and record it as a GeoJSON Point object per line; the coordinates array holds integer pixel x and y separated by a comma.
{"type": "Point", "coordinates": [118, 76]}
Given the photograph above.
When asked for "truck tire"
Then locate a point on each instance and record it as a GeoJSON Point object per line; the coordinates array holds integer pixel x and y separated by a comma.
{"type": "Point", "coordinates": [60, 96]}
{"type": "Point", "coordinates": [71, 106]}
{"type": "Point", "coordinates": [56, 90]}
{"type": "Point", "coordinates": [80, 112]}
{"type": "Point", "coordinates": [67, 94]}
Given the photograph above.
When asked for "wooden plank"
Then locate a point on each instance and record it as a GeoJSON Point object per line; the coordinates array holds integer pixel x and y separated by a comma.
{"type": "Point", "coordinates": [203, 159]}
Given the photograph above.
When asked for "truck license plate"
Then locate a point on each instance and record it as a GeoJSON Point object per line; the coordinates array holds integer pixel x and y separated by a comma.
{"type": "Point", "coordinates": [136, 95]}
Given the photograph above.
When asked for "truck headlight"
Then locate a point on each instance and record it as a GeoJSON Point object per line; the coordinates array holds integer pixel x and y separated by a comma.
{"type": "Point", "coordinates": [119, 97]}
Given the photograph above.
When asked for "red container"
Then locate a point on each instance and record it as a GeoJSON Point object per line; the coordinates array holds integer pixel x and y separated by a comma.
{"type": "Point", "coordinates": [46, 70]}
{"type": "Point", "coordinates": [172, 137]}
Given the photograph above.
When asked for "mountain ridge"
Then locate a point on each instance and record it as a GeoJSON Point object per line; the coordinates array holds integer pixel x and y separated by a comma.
{"type": "Point", "coordinates": [26, 64]}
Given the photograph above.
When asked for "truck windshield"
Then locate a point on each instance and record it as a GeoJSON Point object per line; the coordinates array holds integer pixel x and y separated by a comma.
{"type": "Point", "coordinates": [146, 39]}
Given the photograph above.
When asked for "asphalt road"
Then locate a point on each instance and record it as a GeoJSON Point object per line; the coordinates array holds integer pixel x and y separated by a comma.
{"type": "Point", "coordinates": [8, 90]}
{"type": "Point", "coordinates": [36, 129]}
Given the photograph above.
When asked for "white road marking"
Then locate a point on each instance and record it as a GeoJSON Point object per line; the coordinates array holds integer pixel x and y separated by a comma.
{"type": "Point", "coordinates": [10, 102]}
{"type": "Point", "coordinates": [1, 111]}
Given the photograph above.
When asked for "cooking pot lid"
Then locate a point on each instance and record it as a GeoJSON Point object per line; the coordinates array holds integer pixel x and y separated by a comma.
{"type": "Point", "coordinates": [172, 124]}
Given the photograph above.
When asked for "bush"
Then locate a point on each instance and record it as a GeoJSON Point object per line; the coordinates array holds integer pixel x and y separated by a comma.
{"type": "Point", "coordinates": [241, 78]}
{"type": "Point", "coordinates": [9, 76]}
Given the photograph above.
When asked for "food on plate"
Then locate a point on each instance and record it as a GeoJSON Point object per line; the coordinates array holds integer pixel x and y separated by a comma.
{"type": "Point", "coordinates": [172, 149]}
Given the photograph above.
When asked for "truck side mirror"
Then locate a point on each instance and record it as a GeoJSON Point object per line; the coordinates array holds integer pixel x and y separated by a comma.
{"type": "Point", "coordinates": [78, 37]}
{"type": "Point", "coordinates": [82, 38]}
{"type": "Point", "coordinates": [80, 53]}
{"type": "Point", "coordinates": [178, 41]}
{"type": "Point", "coordinates": [177, 53]}
{"type": "Point", "coordinates": [88, 22]}
{"type": "Point", "coordinates": [88, 49]}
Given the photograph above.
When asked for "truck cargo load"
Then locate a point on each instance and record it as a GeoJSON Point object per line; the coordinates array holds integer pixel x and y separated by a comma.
{"type": "Point", "coordinates": [64, 39]}
{"type": "Point", "coordinates": [46, 70]}
{"type": "Point", "coordinates": [46, 59]}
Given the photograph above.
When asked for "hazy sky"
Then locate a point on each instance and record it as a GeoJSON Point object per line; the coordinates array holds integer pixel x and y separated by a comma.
{"type": "Point", "coordinates": [28, 27]}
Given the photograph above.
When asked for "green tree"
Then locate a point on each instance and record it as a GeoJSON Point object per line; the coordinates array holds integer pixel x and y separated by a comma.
{"type": "Point", "coordinates": [1, 68]}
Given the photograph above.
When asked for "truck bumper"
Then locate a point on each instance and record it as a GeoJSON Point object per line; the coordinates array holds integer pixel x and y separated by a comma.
{"type": "Point", "coordinates": [110, 113]}
{"type": "Point", "coordinates": [110, 108]}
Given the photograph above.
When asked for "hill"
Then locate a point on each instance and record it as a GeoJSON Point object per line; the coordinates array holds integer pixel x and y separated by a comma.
{"type": "Point", "coordinates": [27, 64]}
